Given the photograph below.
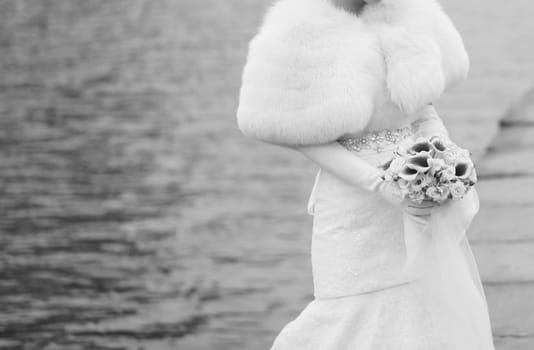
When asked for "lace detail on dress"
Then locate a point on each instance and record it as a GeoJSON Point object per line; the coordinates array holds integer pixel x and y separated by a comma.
{"type": "Point", "coordinates": [376, 140]}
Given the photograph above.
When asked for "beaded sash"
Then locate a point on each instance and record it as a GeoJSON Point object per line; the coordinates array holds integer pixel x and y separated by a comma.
{"type": "Point", "coordinates": [376, 140]}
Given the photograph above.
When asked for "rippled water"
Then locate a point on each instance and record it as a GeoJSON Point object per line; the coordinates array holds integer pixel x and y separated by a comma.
{"type": "Point", "coordinates": [133, 214]}
{"type": "Point", "coordinates": [125, 222]}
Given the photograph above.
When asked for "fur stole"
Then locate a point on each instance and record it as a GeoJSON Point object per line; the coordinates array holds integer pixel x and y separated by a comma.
{"type": "Point", "coordinates": [315, 72]}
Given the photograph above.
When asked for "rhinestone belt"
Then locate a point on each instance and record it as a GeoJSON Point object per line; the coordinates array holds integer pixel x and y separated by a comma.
{"type": "Point", "coordinates": [376, 140]}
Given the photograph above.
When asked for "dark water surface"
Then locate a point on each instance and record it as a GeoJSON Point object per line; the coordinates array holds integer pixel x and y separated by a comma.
{"type": "Point", "coordinates": [133, 214]}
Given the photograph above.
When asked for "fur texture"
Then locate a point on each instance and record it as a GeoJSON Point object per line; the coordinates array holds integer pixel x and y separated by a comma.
{"type": "Point", "coordinates": [316, 72]}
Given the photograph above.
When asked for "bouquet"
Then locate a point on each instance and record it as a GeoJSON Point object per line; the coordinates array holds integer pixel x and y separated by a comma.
{"type": "Point", "coordinates": [432, 169]}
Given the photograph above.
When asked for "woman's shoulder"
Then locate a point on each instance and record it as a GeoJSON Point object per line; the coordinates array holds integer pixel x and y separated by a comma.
{"type": "Point", "coordinates": [307, 78]}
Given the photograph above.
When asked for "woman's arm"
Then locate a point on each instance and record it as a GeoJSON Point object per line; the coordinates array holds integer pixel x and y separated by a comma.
{"type": "Point", "coordinates": [350, 168]}
{"type": "Point", "coordinates": [340, 162]}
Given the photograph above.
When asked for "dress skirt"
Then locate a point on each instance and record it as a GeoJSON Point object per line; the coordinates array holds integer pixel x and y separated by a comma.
{"type": "Point", "coordinates": [383, 284]}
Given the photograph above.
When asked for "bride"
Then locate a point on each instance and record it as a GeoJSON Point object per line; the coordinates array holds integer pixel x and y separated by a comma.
{"type": "Point", "coordinates": [346, 82]}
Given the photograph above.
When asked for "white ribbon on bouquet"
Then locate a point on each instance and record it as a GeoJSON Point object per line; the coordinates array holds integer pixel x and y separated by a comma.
{"type": "Point", "coordinates": [440, 237]}
{"type": "Point", "coordinates": [438, 255]}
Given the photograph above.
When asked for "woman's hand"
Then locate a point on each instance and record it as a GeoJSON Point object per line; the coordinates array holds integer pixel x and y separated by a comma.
{"type": "Point", "coordinates": [340, 162]}
{"type": "Point", "coordinates": [418, 209]}
{"type": "Point", "coordinates": [350, 168]}
{"type": "Point", "coordinates": [390, 191]}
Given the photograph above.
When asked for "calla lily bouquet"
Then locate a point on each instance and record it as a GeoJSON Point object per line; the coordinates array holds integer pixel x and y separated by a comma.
{"type": "Point", "coordinates": [432, 169]}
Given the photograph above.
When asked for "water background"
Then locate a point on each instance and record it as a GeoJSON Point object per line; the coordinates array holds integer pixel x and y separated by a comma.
{"type": "Point", "coordinates": [133, 214]}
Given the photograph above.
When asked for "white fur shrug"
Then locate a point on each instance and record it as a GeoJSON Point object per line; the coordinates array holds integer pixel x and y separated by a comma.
{"type": "Point", "coordinates": [316, 72]}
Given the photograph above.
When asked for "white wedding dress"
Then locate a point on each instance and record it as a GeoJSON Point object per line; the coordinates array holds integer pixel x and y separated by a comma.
{"type": "Point", "coordinates": [383, 281]}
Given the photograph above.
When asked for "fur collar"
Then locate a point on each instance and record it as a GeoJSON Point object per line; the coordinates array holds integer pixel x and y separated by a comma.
{"type": "Point", "coordinates": [315, 72]}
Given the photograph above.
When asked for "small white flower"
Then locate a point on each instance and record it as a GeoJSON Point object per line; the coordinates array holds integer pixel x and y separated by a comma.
{"type": "Point", "coordinates": [464, 153]}
{"type": "Point", "coordinates": [404, 187]}
{"type": "Point", "coordinates": [438, 194]}
{"type": "Point", "coordinates": [449, 156]}
{"type": "Point", "coordinates": [448, 174]}
{"type": "Point", "coordinates": [427, 181]}
{"type": "Point", "coordinates": [420, 182]}
{"type": "Point", "coordinates": [458, 189]}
